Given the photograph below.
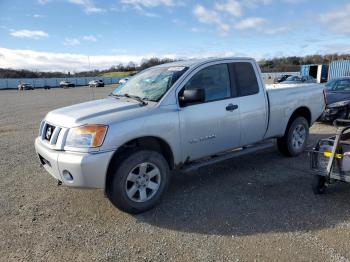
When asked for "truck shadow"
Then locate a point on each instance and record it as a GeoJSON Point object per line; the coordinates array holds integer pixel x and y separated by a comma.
{"type": "Point", "coordinates": [260, 193]}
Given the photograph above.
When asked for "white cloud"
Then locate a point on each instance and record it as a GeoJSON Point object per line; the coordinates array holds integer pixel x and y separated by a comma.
{"type": "Point", "coordinates": [90, 38]}
{"type": "Point", "coordinates": [48, 61]}
{"type": "Point", "coordinates": [38, 16]}
{"type": "Point", "coordinates": [71, 41]}
{"type": "Point", "coordinates": [208, 16]}
{"type": "Point", "coordinates": [142, 5]}
{"type": "Point", "coordinates": [256, 3]}
{"type": "Point", "coordinates": [224, 15]}
{"type": "Point", "coordinates": [43, 2]}
{"type": "Point", "coordinates": [88, 6]}
{"type": "Point", "coordinates": [273, 31]}
{"type": "Point", "coordinates": [337, 20]}
{"type": "Point", "coordinates": [196, 29]}
{"type": "Point", "coordinates": [250, 23]}
{"type": "Point", "coordinates": [232, 7]}
{"type": "Point", "coordinates": [149, 3]}
{"type": "Point", "coordinates": [24, 33]}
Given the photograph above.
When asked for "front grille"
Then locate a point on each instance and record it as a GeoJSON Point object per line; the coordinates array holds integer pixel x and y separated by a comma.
{"type": "Point", "coordinates": [50, 133]}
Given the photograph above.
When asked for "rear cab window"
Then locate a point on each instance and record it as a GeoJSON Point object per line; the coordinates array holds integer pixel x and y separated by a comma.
{"type": "Point", "coordinates": [243, 78]}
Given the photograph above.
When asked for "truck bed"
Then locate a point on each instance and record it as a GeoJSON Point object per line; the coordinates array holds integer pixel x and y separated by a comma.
{"type": "Point", "coordinates": [284, 99]}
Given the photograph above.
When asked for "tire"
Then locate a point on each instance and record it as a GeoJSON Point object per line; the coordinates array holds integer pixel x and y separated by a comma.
{"type": "Point", "coordinates": [319, 185]}
{"type": "Point", "coordinates": [294, 141]}
{"type": "Point", "coordinates": [134, 187]}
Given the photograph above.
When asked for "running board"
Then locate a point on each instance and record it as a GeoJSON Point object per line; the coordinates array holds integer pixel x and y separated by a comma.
{"type": "Point", "coordinates": [224, 156]}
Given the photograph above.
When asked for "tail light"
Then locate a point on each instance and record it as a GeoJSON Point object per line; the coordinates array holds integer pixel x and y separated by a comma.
{"type": "Point", "coordinates": [325, 96]}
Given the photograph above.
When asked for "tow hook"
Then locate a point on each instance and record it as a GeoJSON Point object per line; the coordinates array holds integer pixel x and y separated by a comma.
{"type": "Point", "coordinates": [59, 182]}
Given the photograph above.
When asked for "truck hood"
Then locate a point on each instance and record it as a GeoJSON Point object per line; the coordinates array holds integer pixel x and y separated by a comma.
{"type": "Point", "coordinates": [103, 111]}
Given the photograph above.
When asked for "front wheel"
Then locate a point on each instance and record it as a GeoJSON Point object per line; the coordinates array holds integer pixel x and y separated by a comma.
{"type": "Point", "coordinates": [294, 140]}
{"type": "Point", "coordinates": [138, 181]}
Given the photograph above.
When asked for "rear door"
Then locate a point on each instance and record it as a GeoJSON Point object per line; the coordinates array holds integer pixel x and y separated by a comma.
{"type": "Point", "coordinates": [252, 101]}
{"type": "Point", "coordinates": [212, 126]}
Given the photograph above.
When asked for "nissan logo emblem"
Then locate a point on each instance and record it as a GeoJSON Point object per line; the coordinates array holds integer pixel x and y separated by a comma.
{"type": "Point", "coordinates": [48, 133]}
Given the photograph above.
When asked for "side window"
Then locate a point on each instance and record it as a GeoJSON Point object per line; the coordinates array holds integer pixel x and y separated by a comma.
{"type": "Point", "coordinates": [244, 78]}
{"type": "Point", "coordinates": [214, 80]}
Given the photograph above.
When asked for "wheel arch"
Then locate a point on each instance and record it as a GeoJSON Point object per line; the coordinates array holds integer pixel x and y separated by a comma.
{"type": "Point", "coordinates": [144, 143]}
{"type": "Point", "coordinates": [302, 111]}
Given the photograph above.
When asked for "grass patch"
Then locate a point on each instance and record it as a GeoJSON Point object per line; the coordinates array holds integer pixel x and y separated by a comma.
{"type": "Point", "coordinates": [110, 74]}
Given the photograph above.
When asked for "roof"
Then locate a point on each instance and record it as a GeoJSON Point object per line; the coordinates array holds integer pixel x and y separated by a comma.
{"type": "Point", "coordinates": [196, 62]}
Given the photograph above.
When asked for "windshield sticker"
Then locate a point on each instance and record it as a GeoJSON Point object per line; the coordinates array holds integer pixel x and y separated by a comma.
{"type": "Point", "coordinates": [176, 68]}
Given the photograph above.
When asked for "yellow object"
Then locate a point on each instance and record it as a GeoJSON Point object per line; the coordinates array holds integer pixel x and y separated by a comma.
{"type": "Point", "coordinates": [329, 154]}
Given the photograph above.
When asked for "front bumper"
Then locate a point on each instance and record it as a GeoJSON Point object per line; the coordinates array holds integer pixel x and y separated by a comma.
{"type": "Point", "coordinates": [85, 169]}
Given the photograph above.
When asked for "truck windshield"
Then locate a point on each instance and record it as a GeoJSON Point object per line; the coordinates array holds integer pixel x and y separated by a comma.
{"type": "Point", "coordinates": [151, 84]}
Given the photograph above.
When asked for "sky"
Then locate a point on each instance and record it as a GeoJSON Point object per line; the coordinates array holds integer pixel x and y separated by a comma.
{"type": "Point", "coordinates": [76, 35]}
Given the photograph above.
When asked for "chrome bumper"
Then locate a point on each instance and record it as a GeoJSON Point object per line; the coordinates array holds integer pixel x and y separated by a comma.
{"type": "Point", "coordinates": [75, 169]}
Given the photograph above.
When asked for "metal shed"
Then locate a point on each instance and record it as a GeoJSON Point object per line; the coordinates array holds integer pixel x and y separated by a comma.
{"type": "Point", "coordinates": [339, 69]}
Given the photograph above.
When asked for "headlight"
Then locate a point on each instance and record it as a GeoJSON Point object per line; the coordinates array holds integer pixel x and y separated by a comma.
{"type": "Point", "coordinates": [86, 136]}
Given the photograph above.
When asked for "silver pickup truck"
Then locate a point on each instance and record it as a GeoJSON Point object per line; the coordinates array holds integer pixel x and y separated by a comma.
{"type": "Point", "coordinates": [176, 116]}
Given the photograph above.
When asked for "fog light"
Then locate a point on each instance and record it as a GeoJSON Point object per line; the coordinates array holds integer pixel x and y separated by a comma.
{"type": "Point", "coordinates": [67, 175]}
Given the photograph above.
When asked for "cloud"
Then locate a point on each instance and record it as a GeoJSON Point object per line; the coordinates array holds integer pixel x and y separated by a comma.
{"type": "Point", "coordinates": [232, 7]}
{"type": "Point", "coordinates": [71, 41]}
{"type": "Point", "coordinates": [49, 61]}
{"type": "Point", "coordinates": [142, 5]}
{"type": "Point", "coordinates": [196, 29]}
{"type": "Point", "coordinates": [250, 23]}
{"type": "Point", "coordinates": [89, 38]}
{"type": "Point", "coordinates": [33, 34]}
{"type": "Point", "coordinates": [43, 2]}
{"type": "Point", "coordinates": [88, 6]}
{"type": "Point", "coordinates": [149, 3]}
{"type": "Point", "coordinates": [208, 16]}
{"type": "Point", "coordinates": [337, 20]}
{"type": "Point", "coordinates": [38, 16]}
{"type": "Point", "coordinates": [273, 31]}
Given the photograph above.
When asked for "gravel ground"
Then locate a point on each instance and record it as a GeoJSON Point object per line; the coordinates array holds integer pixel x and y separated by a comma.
{"type": "Point", "coordinates": [255, 208]}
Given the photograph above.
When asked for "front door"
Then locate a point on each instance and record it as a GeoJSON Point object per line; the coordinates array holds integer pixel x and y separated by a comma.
{"type": "Point", "coordinates": [212, 126]}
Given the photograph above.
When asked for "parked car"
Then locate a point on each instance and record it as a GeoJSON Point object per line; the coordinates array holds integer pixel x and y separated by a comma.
{"type": "Point", "coordinates": [280, 78]}
{"type": "Point", "coordinates": [299, 80]}
{"type": "Point", "coordinates": [96, 83]}
{"type": "Point", "coordinates": [176, 116]}
{"type": "Point", "coordinates": [25, 86]}
{"type": "Point", "coordinates": [66, 84]}
{"type": "Point", "coordinates": [123, 80]}
{"type": "Point", "coordinates": [337, 95]}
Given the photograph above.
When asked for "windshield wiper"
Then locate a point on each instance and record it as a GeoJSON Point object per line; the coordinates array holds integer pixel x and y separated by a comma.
{"type": "Point", "coordinates": [137, 98]}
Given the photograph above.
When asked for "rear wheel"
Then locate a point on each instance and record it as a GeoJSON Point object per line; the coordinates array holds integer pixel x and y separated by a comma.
{"type": "Point", "coordinates": [294, 140]}
{"type": "Point", "coordinates": [138, 181]}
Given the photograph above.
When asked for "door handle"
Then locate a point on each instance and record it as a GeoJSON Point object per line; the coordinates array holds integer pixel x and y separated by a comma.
{"type": "Point", "coordinates": [231, 107]}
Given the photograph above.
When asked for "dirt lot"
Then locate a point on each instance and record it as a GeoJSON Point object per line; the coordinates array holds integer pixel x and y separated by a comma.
{"type": "Point", "coordinates": [257, 207]}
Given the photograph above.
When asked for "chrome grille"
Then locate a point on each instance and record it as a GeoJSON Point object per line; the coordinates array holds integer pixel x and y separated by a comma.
{"type": "Point", "coordinates": [50, 135]}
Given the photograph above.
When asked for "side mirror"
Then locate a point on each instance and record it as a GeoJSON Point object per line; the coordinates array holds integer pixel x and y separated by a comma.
{"type": "Point", "coordinates": [192, 96]}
